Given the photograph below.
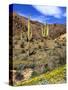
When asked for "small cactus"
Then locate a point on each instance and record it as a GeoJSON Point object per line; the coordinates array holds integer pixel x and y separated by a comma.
{"type": "Point", "coordinates": [29, 30]}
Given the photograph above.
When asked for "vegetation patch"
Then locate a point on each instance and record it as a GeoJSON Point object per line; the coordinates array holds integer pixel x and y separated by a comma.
{"type": "Point", "coordinates": [52, 77]}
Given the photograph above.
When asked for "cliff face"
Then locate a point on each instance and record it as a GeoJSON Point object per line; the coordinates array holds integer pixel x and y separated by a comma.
{"type": "Point", "coordinates": [40, 54]}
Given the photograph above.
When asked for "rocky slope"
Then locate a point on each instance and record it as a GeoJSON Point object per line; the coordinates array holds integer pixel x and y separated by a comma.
{"type": "Point", "coordinates": [40, 54]}
{"type": "Point", "coordinates": [56, 76]}
{"type": "Point", "coordinates": [20, 23]}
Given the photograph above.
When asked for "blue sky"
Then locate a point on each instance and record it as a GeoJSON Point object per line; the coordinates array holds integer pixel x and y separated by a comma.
{"type": "Point", "coordinates": [41, 13]}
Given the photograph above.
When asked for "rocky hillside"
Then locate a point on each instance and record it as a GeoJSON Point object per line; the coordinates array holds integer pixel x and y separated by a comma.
{"type": "Point", "coordinates": [20, 23]}
{"type": "Point", "coordinates": [40, 54]}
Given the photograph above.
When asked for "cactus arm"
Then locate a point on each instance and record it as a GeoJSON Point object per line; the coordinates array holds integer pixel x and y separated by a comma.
{"type": "Point", "coordinates": [43, 32]}
{"type": "Point", "coordinates": [31, 34]}
{"type": "Point", "coordinates": [29, 29]}
{"type": "Point", "coordinates": [47, 30]}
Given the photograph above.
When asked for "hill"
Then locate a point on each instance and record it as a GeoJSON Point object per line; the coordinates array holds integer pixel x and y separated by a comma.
{"type": "Point", "coordinates": [39, 55]}
{"type": "Point", "coordinates": [20, 23]}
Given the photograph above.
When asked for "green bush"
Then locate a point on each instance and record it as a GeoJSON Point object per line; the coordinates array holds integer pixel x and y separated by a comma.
{"type": "Point", "coordinates": [32, 66]}
{"type": "Point", "coordinates": [34, 74]}
{"type": "Point", "coordinates": [46, 69]}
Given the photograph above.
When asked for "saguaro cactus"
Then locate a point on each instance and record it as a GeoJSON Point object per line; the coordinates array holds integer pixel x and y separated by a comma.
{"type": "Point", "coordinates": [22, 31]}
{"type": "Point", "coordinates": [29, 29]}
{"type": "Point", "coordinates": [45, 31]}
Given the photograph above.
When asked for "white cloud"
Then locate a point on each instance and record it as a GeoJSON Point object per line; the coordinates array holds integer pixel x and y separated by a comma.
{"type": "Point", "coordinates": [22, 14]}
{"type": "Point", "coordinates": [40, 18]}
{"type": "Point", "coordinates": [49, 10]}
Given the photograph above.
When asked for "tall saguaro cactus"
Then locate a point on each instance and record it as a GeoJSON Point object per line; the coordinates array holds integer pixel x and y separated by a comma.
{"type": "Point", "coordinates": [29, 29]}
{"type": "Point", "coordinates": [45, 31]}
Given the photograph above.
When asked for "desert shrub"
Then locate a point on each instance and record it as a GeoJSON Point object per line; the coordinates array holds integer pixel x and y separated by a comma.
{"type": "Point", "coordinates": [34, 74]}
{"type": "Point", "coordinates": [46, 69]}
{"type": "Point", "coordinates": [22, 45]}
{"type": "Point", "coordinates": [62, 60]}
{"type": "Point", "coordinates": [32, 66]}
{"type": "Point", "coordinates": [23, 51]}
{"type": "Point", "coordinates": [19, 76]}
{"type": "Point", "coordinates": [43, 82]}
{"type": "Point", "coordinates": [53, 62]}
{"type": "Point", "coordinates": [20, 67]}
